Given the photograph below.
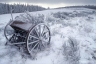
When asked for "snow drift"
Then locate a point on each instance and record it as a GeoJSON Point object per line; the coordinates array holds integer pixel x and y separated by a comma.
{"type": "Point", "coordinates": [73, 38]}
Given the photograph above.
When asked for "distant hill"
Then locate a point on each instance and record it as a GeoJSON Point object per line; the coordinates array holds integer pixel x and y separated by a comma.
{"type": "Point", "coordinates": [86, 6]}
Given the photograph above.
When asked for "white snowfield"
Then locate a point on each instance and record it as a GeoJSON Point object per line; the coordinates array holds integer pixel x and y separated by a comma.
{"type": "Point", "coordinates": [77, 25]}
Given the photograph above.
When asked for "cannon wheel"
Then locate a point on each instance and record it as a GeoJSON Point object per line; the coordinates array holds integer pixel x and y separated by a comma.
{"type": "Point", "coordinates": [38, 38]}
{"type": "Point", "coordinates": [8, 31]}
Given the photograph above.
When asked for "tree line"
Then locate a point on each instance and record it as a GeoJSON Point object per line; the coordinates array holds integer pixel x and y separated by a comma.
{"type": "Point", "coordinates": [18, 8]}
{"type": "Point", "coordinates": [82, 6]}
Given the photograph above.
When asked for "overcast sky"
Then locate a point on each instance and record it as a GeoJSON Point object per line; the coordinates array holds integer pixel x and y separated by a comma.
{"type": "Point", "coordinates": [53, 3]}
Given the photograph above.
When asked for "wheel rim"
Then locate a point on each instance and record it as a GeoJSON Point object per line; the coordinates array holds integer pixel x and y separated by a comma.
{"type": "Point", "coordinates": [38, 38]}
{"type": "Point", "coordinates": [8, 32]}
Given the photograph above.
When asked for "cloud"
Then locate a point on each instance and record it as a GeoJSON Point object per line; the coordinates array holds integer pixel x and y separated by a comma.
{"type": "Point", "coordinates": [54, 1]}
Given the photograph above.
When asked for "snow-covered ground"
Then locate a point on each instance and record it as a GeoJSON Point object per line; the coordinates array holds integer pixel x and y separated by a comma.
{"type": "Point", "coordinates": [76, 25]}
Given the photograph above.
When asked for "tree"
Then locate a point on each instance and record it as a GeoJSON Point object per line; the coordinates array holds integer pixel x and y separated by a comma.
{"type": "Point", "coordinates": [18, 8]}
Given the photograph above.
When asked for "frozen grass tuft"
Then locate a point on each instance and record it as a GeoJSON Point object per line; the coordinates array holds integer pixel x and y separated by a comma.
{"type": "Point", "coordinates": [71, 51]}
{"type": "Point", "coordinates": [27, 17]}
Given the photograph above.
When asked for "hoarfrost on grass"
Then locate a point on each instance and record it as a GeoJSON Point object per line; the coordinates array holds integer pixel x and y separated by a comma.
{"type": "Point", "coordinates": [73, 38]}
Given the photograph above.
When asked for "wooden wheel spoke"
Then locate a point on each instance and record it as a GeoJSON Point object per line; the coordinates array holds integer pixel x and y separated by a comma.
{"type": "Point", "coordinates": [33, 42]}
{"type": "Point", "coordinates": [43, 45]}
{"type": "Point", "coordinates": [43, 29]}
{"type": "Point", "coordinates": [48, 36]}
{"type": "Point", "coordinates": [34, 46]}
{"type": "Point", "coordinates": [38, 47]}
{"type": "Point", "coordinates": [45, 33]}
{"type": "Point", "coordinates": [44, 41]}
{"type": "Point", "coordinates": [37, 32]}
{"type": "Point", "coordinates": [34, 37]}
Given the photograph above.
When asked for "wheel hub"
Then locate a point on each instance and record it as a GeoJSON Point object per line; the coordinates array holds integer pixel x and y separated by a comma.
{"type": "Point", "coordinates": [41, 38]}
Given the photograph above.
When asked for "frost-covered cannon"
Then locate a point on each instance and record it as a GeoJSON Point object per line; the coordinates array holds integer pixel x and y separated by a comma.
{"type": "Point", "coordinates": [33, 36]}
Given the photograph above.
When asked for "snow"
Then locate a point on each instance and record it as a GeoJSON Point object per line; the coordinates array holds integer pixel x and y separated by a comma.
{"type": "Point", "coordinates": [81, 28]}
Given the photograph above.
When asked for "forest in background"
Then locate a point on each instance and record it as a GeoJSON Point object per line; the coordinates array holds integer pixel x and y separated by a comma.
{"type": "Point", "coordinates": [18, 8]}
{"type": "Point", "coordinates": [81, 6]}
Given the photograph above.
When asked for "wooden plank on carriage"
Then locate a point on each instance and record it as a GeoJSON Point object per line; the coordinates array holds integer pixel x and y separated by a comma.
{"type": "Point", "coordinates": [22, 25]}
